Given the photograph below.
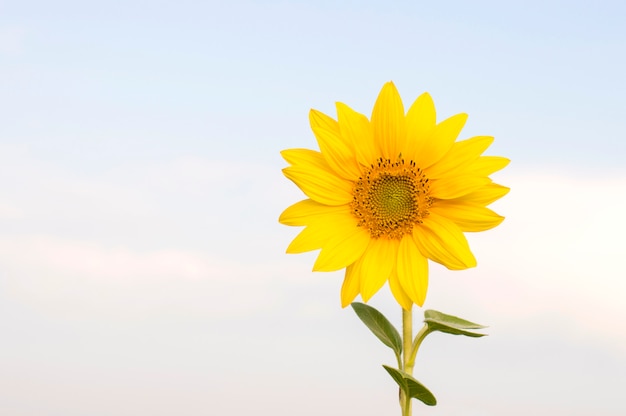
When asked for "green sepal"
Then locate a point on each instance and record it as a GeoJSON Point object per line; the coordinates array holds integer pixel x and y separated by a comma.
{"type": "Point", "coordinates": [411, 387]}
{"type": "Point", "coordinates": [449, 324]}
{"type": "Point", "coordinates": [379, 325]}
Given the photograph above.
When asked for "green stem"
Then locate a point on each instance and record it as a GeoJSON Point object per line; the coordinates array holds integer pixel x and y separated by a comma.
{"type": "Point", "coordinates": [416, 345]}
{"type": "Point", "coordinates": [407, 365]}
{"type": "Point", "coordinates": [409, 347]}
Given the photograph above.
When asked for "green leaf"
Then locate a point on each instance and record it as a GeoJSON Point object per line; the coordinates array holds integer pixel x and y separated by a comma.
{"type": "Point", "coordinates": [411, 387]}
{"type": "Point", "coordinates": [449, 324]}
{"type": "Point", "coordinates": [397, 377]}
{"type": "Point", "coordinates": [379, 325]}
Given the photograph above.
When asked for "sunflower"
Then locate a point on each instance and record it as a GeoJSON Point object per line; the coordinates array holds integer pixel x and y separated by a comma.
{"type": "Point", "coordinates": [387, 194]}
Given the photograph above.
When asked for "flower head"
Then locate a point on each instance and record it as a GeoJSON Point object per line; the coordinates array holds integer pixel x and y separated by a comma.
{"type": "Point", "coordinates": [387, 194]}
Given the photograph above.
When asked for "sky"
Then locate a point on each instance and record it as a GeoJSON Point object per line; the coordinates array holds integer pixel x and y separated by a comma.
{"type": "Point", "coordinates": [142, 266]}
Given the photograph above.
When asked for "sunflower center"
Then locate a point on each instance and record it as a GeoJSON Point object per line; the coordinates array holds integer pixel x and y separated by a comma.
{"type": "Point", "coordinates": [390, 198]}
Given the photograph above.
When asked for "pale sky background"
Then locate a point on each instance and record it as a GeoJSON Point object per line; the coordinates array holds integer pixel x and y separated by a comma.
{"type": "Point", "coordinates": [142, 267]}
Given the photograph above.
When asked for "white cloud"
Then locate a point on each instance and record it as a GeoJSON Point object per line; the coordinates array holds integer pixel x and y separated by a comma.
{"type": "Point", "coordinates": [555, 262]}
{"type": "Point", "coordinates": [558, 256]}
{"type": "Point", "coordinates": [197, 228]}
{"type": "Point", "coordinates": [9, 212]}
{"type": "Point", "coordinates": [12, 39]}
{"type": "Point", "coordinates": [65, 276]}
{"type": "Point", "coordinates": [48, 255]}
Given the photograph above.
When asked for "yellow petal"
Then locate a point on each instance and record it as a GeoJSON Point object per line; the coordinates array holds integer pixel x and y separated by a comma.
{"type": "Point", "coordinates": [376, 265]}
{"type": "Point", "coordinates": [336, 149]}
{"type": "Point", "coordinates": [389, 123]}
{"type": "Point", "coordinates": [311, 173]}
{"type": "Point", "coordinates": [456, 187]}
{"type": "Point", "coordinates": [351, 285]}
{"type": "Point", "coordinates": [442, 241]}
{"type": "Point", "coordinates": [460, 156]}
{"type": "Point", "coordinates": [485, 195]}
{"type": "Point", "coordinates": [440, 141]}
{"type": "Point", "coordinates": [468, 217]}
{"type": "Point", "coordinates": [412, 270]}
{"type": "Point", "coordinates": [398, 293]}
{"type": "Point", "coordinates": [319, 230]}
{"type": "Point", "coordinates": [346, 244]}
{"type": "Point", "coordinates": [356, 128]}
{"type": "Point", "coordinates": [302, 212]}
{"type": "Point", "coordinates": [486, 165]}
{"type": "Point", "coordinates": [309, 239]}
{"type": "Point", "coordinates": [296, 157]}
{"type": "Point", "coordinates": [420, 120]}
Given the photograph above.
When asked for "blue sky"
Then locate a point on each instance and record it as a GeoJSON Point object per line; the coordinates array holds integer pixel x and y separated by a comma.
{"type": "Point", "coordinates": [142, 268]}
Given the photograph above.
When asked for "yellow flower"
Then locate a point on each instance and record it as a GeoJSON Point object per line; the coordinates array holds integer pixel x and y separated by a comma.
{"type": "Point", "coordinates": [388, 194]}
